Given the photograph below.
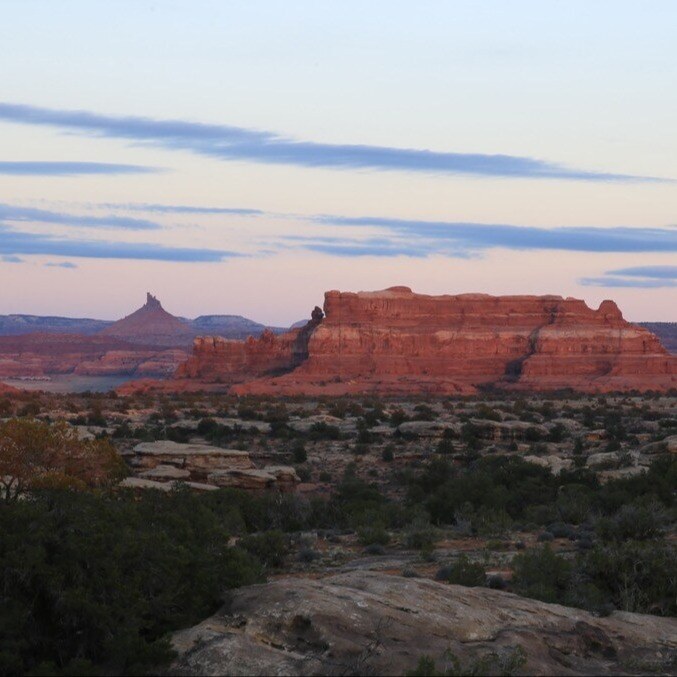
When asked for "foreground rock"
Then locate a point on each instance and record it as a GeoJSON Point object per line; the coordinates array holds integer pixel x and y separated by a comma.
{"type": "Point", "coordinates": [396, 342]}
{"type": "Point", "coordinates": [372, 623]}
{"type": "Point", "coordinates": [195, 458]}
{"type": "Point", "coordinates": [165, 462]}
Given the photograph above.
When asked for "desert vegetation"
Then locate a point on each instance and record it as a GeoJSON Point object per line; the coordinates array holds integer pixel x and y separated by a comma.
{"type": "Point", "coordinates": [567, 500]}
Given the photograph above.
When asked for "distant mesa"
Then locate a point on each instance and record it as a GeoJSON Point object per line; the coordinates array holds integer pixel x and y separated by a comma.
{"type": "Point", "coordinates": [149, 343]}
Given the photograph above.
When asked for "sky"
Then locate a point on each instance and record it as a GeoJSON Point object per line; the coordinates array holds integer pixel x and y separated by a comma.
{"type": "Point", "coordinates": [243, 157]}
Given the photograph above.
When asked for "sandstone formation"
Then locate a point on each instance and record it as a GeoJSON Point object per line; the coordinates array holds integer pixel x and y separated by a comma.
{"type": "Point", "coordinates": [196, 458]}
{"type": "Point", "coordinates": [230, 361]}
{"type": "Point", "coordinates": [397, 342]}
{"type": "Point", "coordinates": [373, 623]}
{"type": "Point", "coordinates": [151, 325]}
{"type": "Point", "coordinates": [165, 462]}
{"type": "Point", "coordinates": [282, 478]}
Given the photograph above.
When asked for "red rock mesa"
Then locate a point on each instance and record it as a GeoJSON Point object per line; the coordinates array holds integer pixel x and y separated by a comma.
{"type": "Point", "coordinates": [397, 342]}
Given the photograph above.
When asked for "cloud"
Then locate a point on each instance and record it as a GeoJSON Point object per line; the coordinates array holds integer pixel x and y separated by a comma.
{"type": "Point", "coordinates": [14, 243]}
{"type": "Point", "coordinates": [479, 236]}
{"type": "Point", "coordinates": [11, 259]}
{"type": "Point", "coordinates": [657, 272]}
{"type": "Point", "coordinates": [28, 214]}
{"type": "Point", "coordinates": [64, 264]}
{"type": "Point", "coordinates": [376, 246]}
{"type": "Point", "coordinates": [641, 277]}
{"type": "Point", "coordinates": [182, 209]}
{"type": "Point", "coordinates": [626, 282]}
{"type": "Point", "coordinates": [227, 142]}
{"type": "Point", "coordinates": [40, 168]}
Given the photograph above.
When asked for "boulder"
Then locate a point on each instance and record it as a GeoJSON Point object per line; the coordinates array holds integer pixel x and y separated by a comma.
{"type": "Point", "coordinates": [554, 463]}
{"type": "Point", "coordinates": [427, 428]}
{"type": "Point", "coordinates": [364, 622]}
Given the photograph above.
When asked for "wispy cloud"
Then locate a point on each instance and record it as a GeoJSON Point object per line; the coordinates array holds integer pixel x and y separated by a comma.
{"type": "Point", "coordinates": [63, 264]}
{"type": "Point", "coordinates": [657, 272]}
{"type": "Point", "coordinates": [626, 282]}
{"type": "Point", "coordinates": [18, 214]}
{"type": "Point", "coordinates": [39, 168]}
{"type": "Point", "coordinates": [181, 209]}
{"type": "Point", "coordinates": [375, 246]}
{"type": "Point", "coordinates": [227, 142]}
{"type": "Point", "coordinates": [641, 277]}
{"type": "Point", "coordinates": [479, 236]}
{"type": "Point", "coordinates": [11, 259]}
{"type": "Point", "coordinates": [14, 243]}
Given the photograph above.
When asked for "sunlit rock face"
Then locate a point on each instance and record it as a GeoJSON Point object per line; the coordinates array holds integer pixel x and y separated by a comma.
{"type": "Point", "coordinates": [397, 342]}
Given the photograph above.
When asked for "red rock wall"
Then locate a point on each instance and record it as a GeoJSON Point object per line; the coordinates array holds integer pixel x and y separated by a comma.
{"type": "Point", "coordinates": [395, 341]}
{"type": "Point", "coordinates": [231, 361]}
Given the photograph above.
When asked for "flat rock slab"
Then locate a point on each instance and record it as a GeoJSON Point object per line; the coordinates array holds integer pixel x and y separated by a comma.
{"type": "Point", "coordinates": [270, 477]}
{"type": "Point", "coordinates": [194, 457]}
{"type": "Point", "coordinates": [373, 623]}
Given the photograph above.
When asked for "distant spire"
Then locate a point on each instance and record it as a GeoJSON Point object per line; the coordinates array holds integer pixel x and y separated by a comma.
{"type": "Point", "coordinates": [151, 301]}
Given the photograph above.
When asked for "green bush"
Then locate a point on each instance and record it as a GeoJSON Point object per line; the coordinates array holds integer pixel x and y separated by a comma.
{"type": "Point", "coordinates": [463, 572]}
{"type": "Point", "coordinates": [269, 547]}
{"type": "Point", "coordinates": [541, 574]}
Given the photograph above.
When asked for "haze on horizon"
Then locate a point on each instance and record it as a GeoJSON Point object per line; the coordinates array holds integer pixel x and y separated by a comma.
{"type": "Point", "coordinates": [242, 158]}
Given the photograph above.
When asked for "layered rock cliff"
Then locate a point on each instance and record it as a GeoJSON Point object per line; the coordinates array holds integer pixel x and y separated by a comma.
{"type": "Point", "coordinates": [398, 342]}
{"type": "Point", "coordinates": [216, 359]}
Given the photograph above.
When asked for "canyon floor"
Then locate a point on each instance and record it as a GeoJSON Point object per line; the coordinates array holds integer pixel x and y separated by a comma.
{"type": "Point", "coordinates": [500, 534]}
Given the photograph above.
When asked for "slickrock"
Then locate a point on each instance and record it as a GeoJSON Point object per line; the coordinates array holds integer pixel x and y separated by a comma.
{"type": "Point", "coordinates": [396, 342]}
{"type": "Point", "coordinates": [196, 458]}
{"type": "Point", "coordinates": [372, 623]}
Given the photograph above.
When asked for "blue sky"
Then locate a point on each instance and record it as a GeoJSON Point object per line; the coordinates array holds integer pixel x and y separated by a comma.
{"type": "Point", "coordinates": [244, 157]}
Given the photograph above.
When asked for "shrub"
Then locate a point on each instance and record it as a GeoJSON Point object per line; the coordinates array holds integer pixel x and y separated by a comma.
{"type": "Point", "coordinates": [269, 547]}
{"type": "Point", "coordinates": [299, 452]}
{"type": "Point", "coordinates": [374, 533]}
{"type": "Point", "coordinates": [541, 574]}
{"type": "Point", "coordinates": [95, 584]}
{"type": "Point", "coordinates": [463, 572]}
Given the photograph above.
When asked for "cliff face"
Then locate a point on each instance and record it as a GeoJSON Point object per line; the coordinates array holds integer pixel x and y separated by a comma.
{"type": "Point", "coordinates": [398, 342]}
{"type": "Point", "coordinates": [216, 359]}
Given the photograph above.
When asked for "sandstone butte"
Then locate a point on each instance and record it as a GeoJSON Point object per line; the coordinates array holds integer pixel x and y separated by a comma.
{"type": "Point", "coordinates": [396, 342]}
{"type": "Point", "coordinates": [151, 325]}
